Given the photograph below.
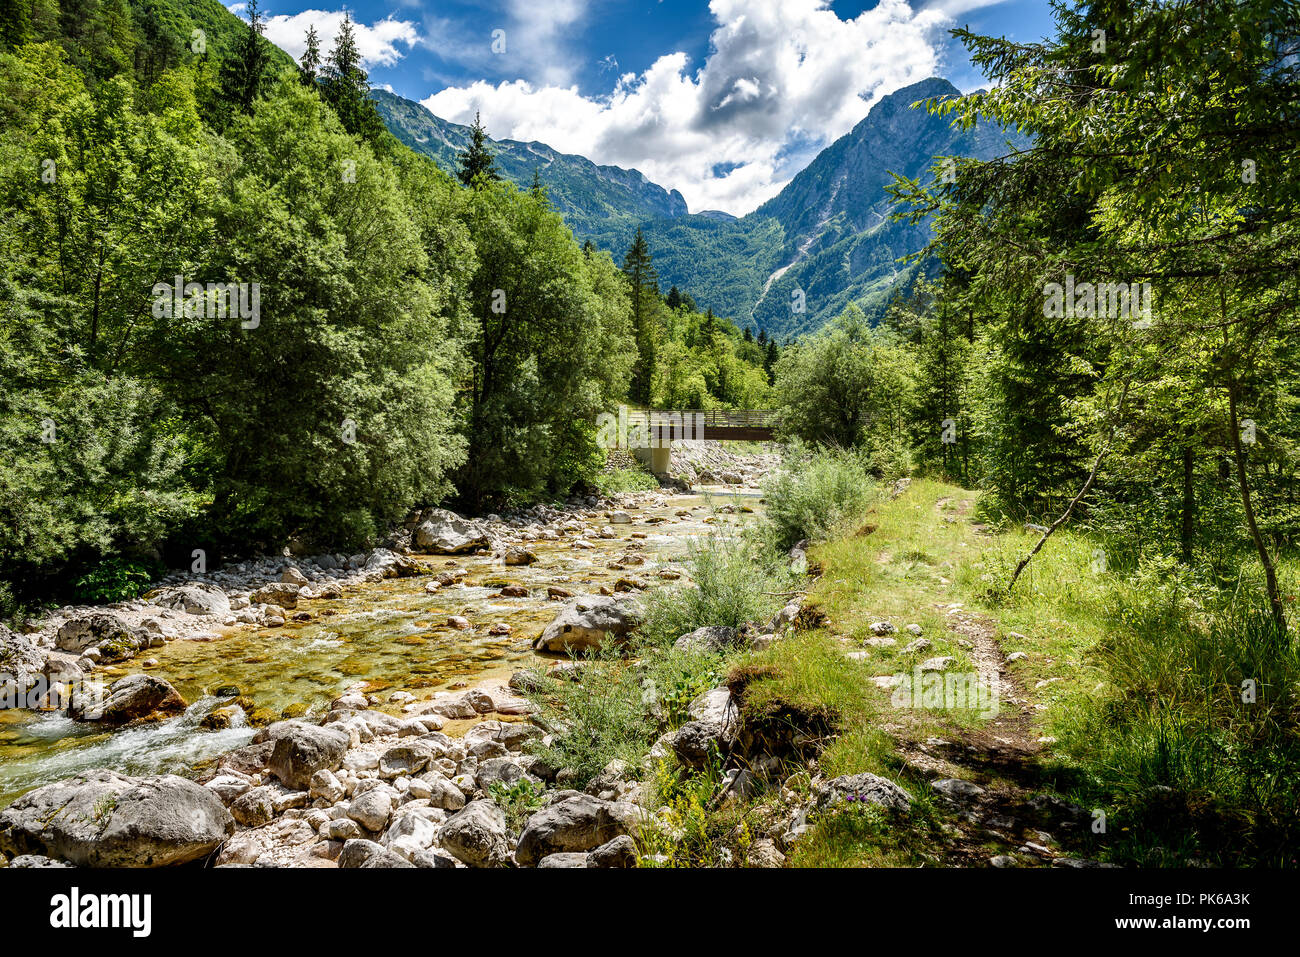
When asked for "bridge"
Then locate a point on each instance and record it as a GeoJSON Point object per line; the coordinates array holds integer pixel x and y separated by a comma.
{"type": "Point", "coordinates": [649, 433]}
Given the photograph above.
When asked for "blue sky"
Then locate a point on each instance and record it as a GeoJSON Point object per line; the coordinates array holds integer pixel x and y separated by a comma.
{"type": "Point", "coordinates": [723, 100]}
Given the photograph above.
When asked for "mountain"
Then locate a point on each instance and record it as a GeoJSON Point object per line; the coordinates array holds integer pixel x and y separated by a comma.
{"type": "Point", "coordinates": [827, 234]}
{"type": "Point", "coordinates": [839, 244]}
{"type": "Point", "coordinates": [600, 203]}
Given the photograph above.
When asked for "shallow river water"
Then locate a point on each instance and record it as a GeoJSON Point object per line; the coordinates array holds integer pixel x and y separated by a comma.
{"type": "Point", "coordinates": [380, 637]}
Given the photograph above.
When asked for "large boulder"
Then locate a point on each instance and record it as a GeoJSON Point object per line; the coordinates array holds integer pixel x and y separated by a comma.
{"type": "Point", "coordinates": [105, 819]}
{"type": "Point", "coordinates": [282, 594]}
{"type": "Point", "coordinates": [586, 622]}
{"type": "Point", "coordinates": [303, 749]}
{"type": "Point", "coordinates": [195, 599]}
{"type": "Point", "coordinates": [19, 655]}
{"type": "Point", "coordinates": [95, 629]}
{"type": "Point", "coordinates": [713, 638]}
{"type": "Point", "coordinates": [575, 822]}
{"type": "Point", "coordinates": [865, 788]}
{"type": "Point", "coordinates": [133, 698]}
{"type": "Point", "coordinates": [389, 564]}
{"type": "Point", "coordinates": [362, 853]}
{"type": "Point", "coordinates": [477, 835]}
{"type": "Point", "coordinates": [714, 725]}
{"type": "Point", "coordinates": [446, 533]}
{"type": "Point", "coordinates": [441, 792]}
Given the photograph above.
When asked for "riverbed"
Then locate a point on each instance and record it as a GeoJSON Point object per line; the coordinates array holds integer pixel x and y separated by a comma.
{"type": "Point", "coordinates": [380, 638]}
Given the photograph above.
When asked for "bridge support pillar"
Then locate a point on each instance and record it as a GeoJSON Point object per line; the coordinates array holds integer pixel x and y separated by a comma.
{"type": "Point", "coordinates": [658, 459]}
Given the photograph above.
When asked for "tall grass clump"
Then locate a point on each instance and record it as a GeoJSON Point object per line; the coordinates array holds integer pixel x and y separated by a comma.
{"type": "Point", "coordinates": [620, 704]}
{"type": "Point", "coordinates": [734, 580]}
{"type": "Point", "coordinates": [815, 494]}
{"type": "Point", "coordinates": [1196, 740]}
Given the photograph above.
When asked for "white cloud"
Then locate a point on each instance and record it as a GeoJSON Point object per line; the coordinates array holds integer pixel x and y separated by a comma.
{"type": "Point", "coordinates": [378, 43]}
{"type": "Point", "coordinates": [780, 74]}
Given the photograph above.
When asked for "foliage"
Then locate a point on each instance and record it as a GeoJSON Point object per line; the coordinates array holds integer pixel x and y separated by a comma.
{"type": "Point", "coordinates": [846, 385]}
{"type": "Point", "coordinates": [734, 581]}
{"type": "Point", "coordinates": [336, 355]}
{"type": "Point", "coordinates": [549, 339]}
{"type": "Point", "coordinates": [624, 480]}
{"type": "Point", "coordinates": [519, 801]}
{"type": "Point", "coordinates": [115, 580]}
{"type": "Point", "coordinates": [815, 494]}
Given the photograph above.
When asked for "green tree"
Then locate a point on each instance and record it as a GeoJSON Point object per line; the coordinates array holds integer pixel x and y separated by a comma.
{"type": "Point", "coordinates": [643, 291]}
{"type": "Point", "coordinates": [346, 88]}
{"type": "Point", "coordinates": [244, 72]}
{"type": "Point", "coordinates": [549, 345]}
{"type": "Point", "coordinates": [478, 159]}
{"type": "Point", "coordinates": [310, 63]}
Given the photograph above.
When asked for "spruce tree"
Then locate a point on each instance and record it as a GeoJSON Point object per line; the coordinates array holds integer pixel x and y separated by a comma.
{"type": "Point", "coordinates": [243, 74]}
{"type": "Point", "coordinates": [310, 62]}
{"type": "Point", "coordinates": [477, 160]}
{"type": "Point", "coordinates": [347, 87]}
{"type": "Point", "coordinates": [643, 289]}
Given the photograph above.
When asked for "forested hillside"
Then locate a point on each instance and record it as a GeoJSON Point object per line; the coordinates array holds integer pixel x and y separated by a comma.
{"type": "Point", "coordinates": [236, 313]}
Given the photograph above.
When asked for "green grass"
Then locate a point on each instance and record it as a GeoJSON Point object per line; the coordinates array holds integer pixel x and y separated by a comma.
{"type": "Point", "coordinates": [1133, 676]}
{"type": "Point", "coordinates": [1138, 673]}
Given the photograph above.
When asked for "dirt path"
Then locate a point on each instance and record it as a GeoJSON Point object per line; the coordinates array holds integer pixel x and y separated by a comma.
{"type": "Point", "coordinates": [991, 778]}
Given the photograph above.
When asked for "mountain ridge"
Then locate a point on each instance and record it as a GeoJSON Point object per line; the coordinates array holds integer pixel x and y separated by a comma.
{"type": "Point", "coordinates": [825, 241]}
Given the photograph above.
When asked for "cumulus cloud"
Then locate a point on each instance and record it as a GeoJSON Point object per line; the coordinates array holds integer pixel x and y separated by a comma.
{"type": "Point", "coordinates": [782, 79]}
{"type": "Point", "coordinates": [379, 43]}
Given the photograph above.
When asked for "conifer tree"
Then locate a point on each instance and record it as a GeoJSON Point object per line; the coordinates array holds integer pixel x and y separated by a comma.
{"type": "Point", "coordinates": [643, 284]}
{"type": "Point", "coordinates": [347, 87]}
{"type": "Point", "coordinates": [477, 159]}
{"type": "Point", "coordinates": [243, 75]}
{"type": "Point", "coordinates": [310, 62]}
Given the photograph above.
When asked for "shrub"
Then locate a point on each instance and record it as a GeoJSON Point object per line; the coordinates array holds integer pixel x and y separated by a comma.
{"type": "Point", "coordinates": [114, 579]}
{"type": "Point", "coordinates": [624, 480]}
{"type": "Point", "coordinates": [735, 581]}
{"type": "Point", "coordinates": [814, 494]}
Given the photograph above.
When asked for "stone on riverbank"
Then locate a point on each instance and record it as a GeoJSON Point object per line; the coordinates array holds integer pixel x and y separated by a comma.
{"type": "Point", "coordinates": [19, 654]}
{"type": "Point", "coordinates": [446, 533]}
{"type": "Point", "coordinates": [97, 629]}
{"type": "Point", "coordinates": [303, 749]}
{"type": "Point", "coordinates": [712, 638]}
{"type": "Point", "coordinates": [477, 835]}
{"type": "Point", "coordinates": [133, 698]}
{"type": "Point", "coordinates": [281, 594]}
{"type": "Point", "coordinates": [584, 623]}
{"type": "Point", "coordinates": [105, 819]}
{"type": "Point", "coordinates": [865, 788]}
{"type": "Point", "coordinates": [574, 822]}
{"type": "Point", "coordinates": [196, 599]}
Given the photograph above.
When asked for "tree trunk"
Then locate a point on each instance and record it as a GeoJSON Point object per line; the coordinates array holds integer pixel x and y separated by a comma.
{"type": "Point", "coordinates": [1276, 606]}
{"type": "Point", "coordinates": [1189, 504]}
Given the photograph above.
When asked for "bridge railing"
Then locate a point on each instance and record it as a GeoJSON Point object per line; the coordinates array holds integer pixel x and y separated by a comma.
{"type": "Point", "coordinates": [675, 424]}
{"type": "Point", "coordinates": [708, 418]}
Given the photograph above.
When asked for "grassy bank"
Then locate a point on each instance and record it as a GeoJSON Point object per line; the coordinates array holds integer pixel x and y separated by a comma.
{"type": "Point", "coordinates": [1152, 712]}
